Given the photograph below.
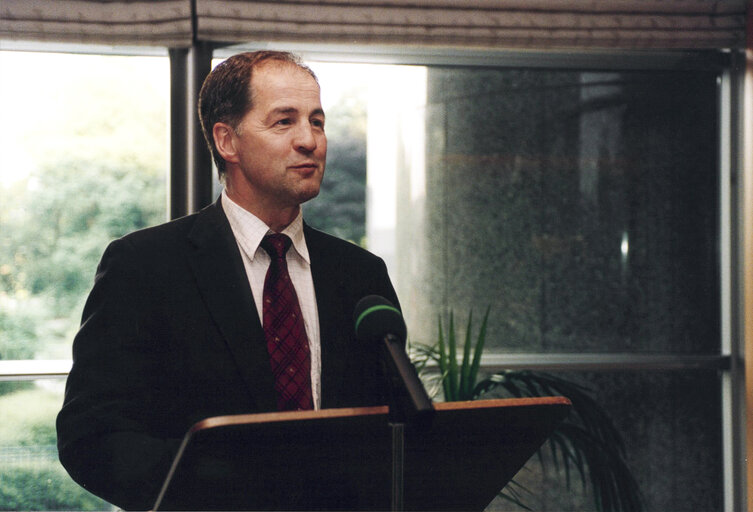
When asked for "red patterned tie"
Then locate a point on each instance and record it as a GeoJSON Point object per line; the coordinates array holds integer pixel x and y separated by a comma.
{"type": "Point", "coordinates": [284, 330]}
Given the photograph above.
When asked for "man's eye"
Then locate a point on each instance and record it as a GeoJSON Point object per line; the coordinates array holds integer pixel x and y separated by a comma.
{"type": "Point", "coordinates": [319, 123]}
{"type": "Point", "coordinates": [285, 121]}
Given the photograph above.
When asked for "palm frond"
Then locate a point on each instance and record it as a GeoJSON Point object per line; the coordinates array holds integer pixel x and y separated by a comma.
{"type": "Point", "coordinates": [513, 493]}
{"type": "Point", "coordinates": [587, 441]}
{"type": "Point", "coordinates": [586, 444]}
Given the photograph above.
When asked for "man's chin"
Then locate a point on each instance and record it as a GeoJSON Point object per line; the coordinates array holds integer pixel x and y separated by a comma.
{"type": "Point", "coordinates": [308, 195]}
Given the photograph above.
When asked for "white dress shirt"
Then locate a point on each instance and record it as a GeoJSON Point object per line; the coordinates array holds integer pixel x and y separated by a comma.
{"type": "Point", "coordinates": [249, 231]}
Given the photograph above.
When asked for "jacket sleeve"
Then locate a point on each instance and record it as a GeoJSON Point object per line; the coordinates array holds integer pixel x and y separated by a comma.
{"type": "Point", "coordinates": [106, 437]}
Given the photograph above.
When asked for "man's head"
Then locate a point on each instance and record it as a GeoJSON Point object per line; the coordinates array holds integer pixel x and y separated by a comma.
{"type": "Point", "coordinates": [226, 94]}
{"type": "Point", "coordinates": [262, 116]}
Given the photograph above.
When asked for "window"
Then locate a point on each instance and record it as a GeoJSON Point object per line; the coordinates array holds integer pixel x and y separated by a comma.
{"type": "Point", "coordinates": [83, 160]}
{"type": "Point", "coordinates": [583, 206]}
{"type": "Point", "coordinates": [584, 201]}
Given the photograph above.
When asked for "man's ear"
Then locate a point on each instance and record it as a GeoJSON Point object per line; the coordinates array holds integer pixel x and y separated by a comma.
{"type": "Point", "coordinates": [225, 140]}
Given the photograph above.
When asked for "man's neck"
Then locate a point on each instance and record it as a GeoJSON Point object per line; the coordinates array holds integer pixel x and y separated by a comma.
{"type": "Point", "coordinates": [273, 216]}
{"type": "Point", "coordinates": [281, 221]}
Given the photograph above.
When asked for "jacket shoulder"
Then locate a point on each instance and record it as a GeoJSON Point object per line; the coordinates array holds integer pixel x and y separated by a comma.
{"type": "Point", "coordinates": [319, 241]}
{"type": "Point", "coordinates": [176, 232]}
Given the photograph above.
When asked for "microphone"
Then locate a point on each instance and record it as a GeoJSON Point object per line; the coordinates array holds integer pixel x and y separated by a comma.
{"type": "Point", "coordinates": [377, 320]}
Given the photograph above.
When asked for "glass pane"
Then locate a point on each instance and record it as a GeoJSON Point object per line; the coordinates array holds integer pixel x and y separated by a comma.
{"type": "Point", "coordinates": [581, 206]}
{"type": "Point", "coordinates": [31, 478]}
{"type": "Point", "coordinates": [83, 160]}
{"type": "Point", "coordinates": [670, 423]}
{"type": "Point", "coordinates": [340, 207]}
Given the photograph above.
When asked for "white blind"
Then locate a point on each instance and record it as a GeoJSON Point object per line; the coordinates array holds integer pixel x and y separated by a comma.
{"type": "Point", "coordinates": [545, 24]}
{"type": "Point", "coordinates": [127, 22]}
{"type": "Point", "coordinates": [632, 24]}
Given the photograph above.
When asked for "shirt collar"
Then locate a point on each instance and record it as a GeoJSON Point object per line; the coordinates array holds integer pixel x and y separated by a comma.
{"type": "Point", "coordinates": [249, 230]}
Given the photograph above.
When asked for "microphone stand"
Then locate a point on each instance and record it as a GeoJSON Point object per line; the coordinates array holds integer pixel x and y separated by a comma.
{"type": "Point", "coordinates": [409, 407]}
{"type": "Point", "coordinates": [398, 463]}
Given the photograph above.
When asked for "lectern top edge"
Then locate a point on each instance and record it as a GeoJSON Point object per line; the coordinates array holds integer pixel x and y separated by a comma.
{"type": "Point", "coordinates": [271, 417]}
{"type": "Point", "coordinates": [502, 402]}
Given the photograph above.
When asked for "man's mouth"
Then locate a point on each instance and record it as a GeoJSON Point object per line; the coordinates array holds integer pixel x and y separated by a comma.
{"type": "Point", "coordinates": [306, 168]}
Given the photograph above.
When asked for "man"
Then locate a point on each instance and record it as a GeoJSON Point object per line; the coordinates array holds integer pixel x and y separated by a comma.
{"type": "Point", "coordinates": [175, 330]}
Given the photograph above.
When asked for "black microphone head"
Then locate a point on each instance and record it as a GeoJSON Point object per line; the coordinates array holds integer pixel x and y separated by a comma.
{"type": "Point", "coordinates": [375, 317]}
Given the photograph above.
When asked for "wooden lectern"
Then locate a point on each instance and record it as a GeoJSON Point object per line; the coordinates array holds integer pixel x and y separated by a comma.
{"type": "Point", "coordinates": [342, 459]}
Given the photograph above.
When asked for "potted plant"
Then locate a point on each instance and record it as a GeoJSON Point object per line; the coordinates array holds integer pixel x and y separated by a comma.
{"type": "Point", "coordinates": [586, 442]}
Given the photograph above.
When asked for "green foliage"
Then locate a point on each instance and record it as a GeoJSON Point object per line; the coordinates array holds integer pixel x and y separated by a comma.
{"type": "Point", "coordinates": [17, 329]}
{"type": "Point", "coordinates": [340, 208]}
{"type": "Point", "coordinates": [586, 442]}
{"type": "Point", "coordinates": [457, 382]}
{"type": "Point", "coordinates": [55, 227]}
{"type": "Point", "coordinates": [87, 167]}
{"type": "Point", "coordinates": [55, 240]}
{"type": "Point", "coordinates": [11, 386]}
{"type": "Point", "coordinates": [29, 418]}
{"type": "Point", "coordinates": [34, 479]}
{"type": "Point", "coordinates": [30, 487]}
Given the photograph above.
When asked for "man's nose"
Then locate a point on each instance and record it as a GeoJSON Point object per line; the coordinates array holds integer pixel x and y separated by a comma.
{"type": "Point", "coordinates": [305, 138]}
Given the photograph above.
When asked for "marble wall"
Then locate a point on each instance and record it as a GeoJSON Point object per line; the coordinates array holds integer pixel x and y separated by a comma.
{"type": "Point", "coordinates": [582, 208]}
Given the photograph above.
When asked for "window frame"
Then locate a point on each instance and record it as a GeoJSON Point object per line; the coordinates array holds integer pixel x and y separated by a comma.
{"type": "Point", "coordinates": [190, 188]}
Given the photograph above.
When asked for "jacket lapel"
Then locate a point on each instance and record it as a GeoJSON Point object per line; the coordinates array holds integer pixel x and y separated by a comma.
{"type": "Point", "coordinates": [221, 278]}
{"type": "Point", "coordinates": [328, 287]}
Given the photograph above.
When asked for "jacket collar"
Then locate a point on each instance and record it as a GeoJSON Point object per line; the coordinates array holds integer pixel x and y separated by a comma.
{"type": "Point", "coordinates": [220, 276]}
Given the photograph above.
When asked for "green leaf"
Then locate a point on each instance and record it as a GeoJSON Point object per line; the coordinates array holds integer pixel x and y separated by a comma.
{"type": "Point", "coordinates": [477, 351]}
{"type": "Point", "coordinates": [452, 362]}
{"type": "Point", "coordinates": [465, 385]}
{"type": "Point", "coordinates": [442, 361]}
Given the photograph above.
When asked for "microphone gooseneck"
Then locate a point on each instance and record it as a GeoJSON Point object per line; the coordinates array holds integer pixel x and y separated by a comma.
{"type": "Point", "coordinates": [378, 321]}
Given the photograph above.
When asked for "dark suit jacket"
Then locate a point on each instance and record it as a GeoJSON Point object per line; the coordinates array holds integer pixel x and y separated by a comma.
{"type": "Point", "coordinates": [170, 335]}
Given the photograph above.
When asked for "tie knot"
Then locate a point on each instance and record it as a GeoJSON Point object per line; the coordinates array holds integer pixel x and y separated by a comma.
{"type": "Point", "coordinates": [276, 245]}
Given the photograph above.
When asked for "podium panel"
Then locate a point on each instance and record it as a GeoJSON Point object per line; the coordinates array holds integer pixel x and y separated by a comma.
{"type": "Point", "coordinates": [473, 449]}
{"type": "Point", "coordinates": [341, 459]}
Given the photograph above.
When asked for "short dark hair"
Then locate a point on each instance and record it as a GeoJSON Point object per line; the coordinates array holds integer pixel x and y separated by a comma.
{"type": "Point", "coordinates": [226, 95]}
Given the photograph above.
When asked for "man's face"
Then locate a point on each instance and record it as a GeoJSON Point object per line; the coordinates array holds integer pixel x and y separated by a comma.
{"type": "Point", "coordinates": [281, 145]}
